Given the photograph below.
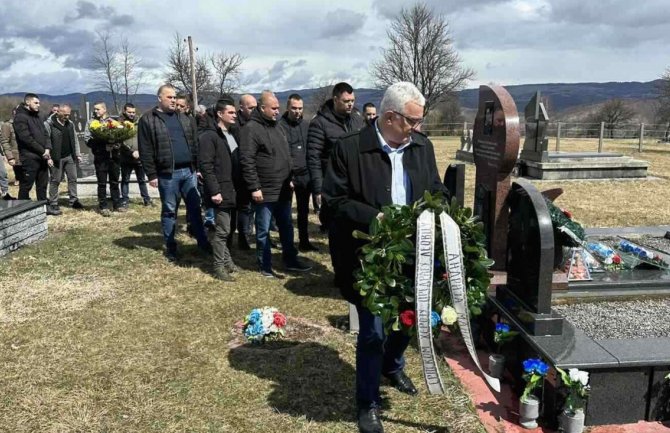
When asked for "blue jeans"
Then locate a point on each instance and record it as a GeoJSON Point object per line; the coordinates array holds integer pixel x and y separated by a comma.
{"type": "Point", "coordinates": [281, 210]}
{"type": "Point", "coordinates": [172, 187]}
{"type": "Point", "coordinates": [126, 171]}
{"type": "Point", "coordinates": [376, 354]}
{"type": "Point", "coordinates": [210, 215]}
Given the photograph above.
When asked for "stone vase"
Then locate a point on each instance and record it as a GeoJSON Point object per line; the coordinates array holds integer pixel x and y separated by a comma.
{"type": "Point", "coordinates": [496, 365]}
{"type": "Point", "coordinates": [529, 410]}
{"type": "Point", "coordinates": [572, 422]}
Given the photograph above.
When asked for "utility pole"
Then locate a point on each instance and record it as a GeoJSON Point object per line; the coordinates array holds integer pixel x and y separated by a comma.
{"type": "Point", "coordinates": [191, 56]}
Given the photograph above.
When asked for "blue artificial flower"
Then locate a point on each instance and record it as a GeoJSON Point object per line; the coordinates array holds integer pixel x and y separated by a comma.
{"type": "Point", "coordinates": [437, 264]}
{"type": "Point", "coordinates": [254, 330]}
{"type": "Point", "coordinates": [502, 327]}
{"type": "Point", "coordinates": [535, 366]}
{"type": "Point", "coordinates": [254, 316]}
{"type": "Point", "coordinates": [435, 319]}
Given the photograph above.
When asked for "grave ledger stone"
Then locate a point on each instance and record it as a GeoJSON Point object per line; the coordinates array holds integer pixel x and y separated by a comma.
{"type": "Point", "coordinates": [22, 222]}
{"type": "Point", "coordinates": [495, 147]}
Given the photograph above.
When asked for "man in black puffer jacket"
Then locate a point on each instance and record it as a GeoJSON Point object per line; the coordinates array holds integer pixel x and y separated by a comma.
{"type": "Point", "coordinates": [34, 148]}
{"type": "Point", "coordinates": [295, 130]}
{"type": "Point", "coordinates": [266, 168]}
{"type": "Point", "coordinates": [335, 118]}
{"type": "Point", "coordinates": [218, 165]}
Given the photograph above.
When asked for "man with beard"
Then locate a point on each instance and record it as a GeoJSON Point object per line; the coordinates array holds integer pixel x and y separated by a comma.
{"type": "Point", "coordinates": [334, 119]}
{"type": "Point", "coordinates": [130, 161]}
{"type": "Point", "coordinates": [106, 160]}
{"type": "Point", "coordinates": [266, 168]}
{"type": "Point", "coordinates": [66, 155]}
{"type": "Point", "coordinates": [295, 130]}
{"type": "Point", "coordinates": [34, 148]}
{"type": "Point", "coordinates": [390, 162]}
{"type": "Point", "coordinates": [369, 113]}
{"type": "Point", "coordinates": [168, 148]}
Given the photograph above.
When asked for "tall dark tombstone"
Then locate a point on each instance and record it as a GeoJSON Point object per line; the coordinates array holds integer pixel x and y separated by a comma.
{"type": "Point", "coordinates": [535, 145]}
{"type": "Point", "coordinates": [496, 148]}
{"type": "Point", "coordinates": [530, 261]}
{"type": "Point", "coordinates": [454, 181]}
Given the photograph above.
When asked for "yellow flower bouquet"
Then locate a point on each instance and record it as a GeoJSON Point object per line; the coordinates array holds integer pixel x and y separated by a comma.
{"type": "Point", "coordinates": [113, 130]}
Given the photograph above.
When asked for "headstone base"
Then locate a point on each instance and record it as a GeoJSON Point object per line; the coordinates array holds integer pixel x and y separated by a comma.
{"type": "Point", "coordinates": [534, 323]}
{"type": "Point", "coordinates": [22, 222]}
{"type": "Point", "coordinates": [587, 166]}
{"type": "Point", "coordinates": [465, 156]}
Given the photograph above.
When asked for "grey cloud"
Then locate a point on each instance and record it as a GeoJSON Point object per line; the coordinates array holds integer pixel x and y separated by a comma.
{"type": "Point", "coordinates": [298, 63]}
{"type": "Point", "coordinates": [51, 83]}
{"type": "Point", "coordinates": [277, 71]}
{"type": "Point", "coordinates": [390, 9]}
{"type": "Point", "coordinates": [614, 13]}
{"type": "Point", "coordinates": [89, 10]}
{"type": "Point", "coordinates": [121, 20]}
{"type": "Point", "coordinates": [299, 79]}
{"type": "Point", "coordinates": [63, 42]}
{"type": "Point", "coordinates": [8, 56]}
{"type": "Point", "coordinates": [341, 22]}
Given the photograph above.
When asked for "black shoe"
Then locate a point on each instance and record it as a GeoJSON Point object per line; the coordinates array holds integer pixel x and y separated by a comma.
{"type": "Point", "coordinates": [402, 383]}
{"type": "Point", "coordinates": [53, 210]}
{"type": "Point", "coordinates": [171, 256]}
{"type": "Point", "coordinates": [222, 274]}
{"type": "Point", "coordinates": [275, 245]}
{"type": "Point", "coordinates": [306, 247]}
{"type": "Point", "coordinates": [7, 195]}
{"type": "Point", "coordinates": [268, 274]}
{"type": "Point", "coordinates": [149, 203]}
{"type": "Point", "coordinates": [243, 243]}
{"type": "Point", "coordinates": [76, 205]}
{"type": "Point", "coordinates": [369, 421]}
{"type": "Point", "coordinates": [296, 266]}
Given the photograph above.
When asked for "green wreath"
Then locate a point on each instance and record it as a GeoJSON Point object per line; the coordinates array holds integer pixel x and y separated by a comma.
{"type": "Point", "coordinates": [386, 278]}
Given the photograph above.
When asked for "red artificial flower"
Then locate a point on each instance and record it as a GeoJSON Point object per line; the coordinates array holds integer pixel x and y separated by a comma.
{"type": "Point", "coordinates": [279, 319]}
{"type": "Point", "coordinates": [445, 276]}
{"type": "Point", "coordinates": [567, 213]}
{"type": "Point", "coordinates": [408, 318]}
{"type": "Point", "coordinates": [110, 125]}
{"type": "Point", "coordinates": [616, 260]}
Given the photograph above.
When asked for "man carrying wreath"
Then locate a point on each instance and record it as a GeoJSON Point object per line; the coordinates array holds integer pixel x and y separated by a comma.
{"type": "Point", "coordinates": [387, 162]}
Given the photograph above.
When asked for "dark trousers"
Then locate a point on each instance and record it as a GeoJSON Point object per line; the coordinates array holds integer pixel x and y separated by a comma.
{"type": "Point", "coordinates": [376, 354]}
{"type": "Point", "coordinates": [302, 195]}
{"type": "Point", "coordinates": [35, 172]}
{"type": "Point", "coordinates": [107, 168]}
{"type": "Point", "coordinates": [18, 172]}
{"type": "Point", "coordinates": [220, 249]}
{"type": "Point", "coordinates": [240, 217]}
{"type": "Point", "coordinates": [126, 171]}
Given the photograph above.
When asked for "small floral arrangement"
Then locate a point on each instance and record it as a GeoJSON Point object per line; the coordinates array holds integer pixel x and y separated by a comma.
{"type": "Point", "coordinates": [610, 259]}
{"type": "Point", "coordinates": [642, 253]}
{"type": "Point", "coordinates": [568, 232]}
{"type": "Point", "coordinates": [534, 372]}
{"type": "Point", "coordinates": [407, 321]}
{"type": "Point", "coordinates": [263, 324]}
{"type": "Point", "coordinates": [113, 130]}
{"type": "Point", "coordinates": [577, 382]}
{"type": "Point", "coordinates": [503, 334]}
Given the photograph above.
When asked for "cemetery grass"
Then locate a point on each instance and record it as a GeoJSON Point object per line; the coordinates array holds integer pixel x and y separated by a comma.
{"type": "Point", "coordinates": [100, 333]}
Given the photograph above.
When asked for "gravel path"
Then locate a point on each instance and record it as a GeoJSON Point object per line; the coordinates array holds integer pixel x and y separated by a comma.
{"type": "Point", "coordinates": [620, 319]}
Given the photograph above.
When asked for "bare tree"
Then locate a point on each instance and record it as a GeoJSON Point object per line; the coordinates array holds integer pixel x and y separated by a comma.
{"type": "Point", "coordinates": [106, 66]}
{"type": "Point", "coordinates": [117, 68]}
{"type": "Point", "coordinates": [322, 93]}
{"type": "Point", "coordinates": [215, 74]}
{"type": "Point", "coordinates": [663, 102]}
{"type": "Point", "coordinates": [226, 72]}
{"type": "Point", "coordinates": [421, 51]}
{"type": "Point", "coordinates": [614, 113]}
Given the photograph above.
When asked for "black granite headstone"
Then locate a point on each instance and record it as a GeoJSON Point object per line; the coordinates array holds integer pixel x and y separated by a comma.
{"type": "Point", "coordinates": [530, 261]}
{"type": "Point", "coordinates": [454, 181]}
{"type": "Point", "coordinates": [536, 144]}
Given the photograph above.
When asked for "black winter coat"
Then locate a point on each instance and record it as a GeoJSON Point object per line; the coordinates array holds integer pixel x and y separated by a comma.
{"type": "Point", "coordinates": [31, 135]}
{"type": "Point", "coordinates": [296, 135]}
{"type": "Point", "coordinates": [218, 166]}
{"type": "Point", "coordinates": [356, 187]}
{"type": "Point", "coordinates": [55, 138]}
{"type": "Point", "coordinates": [154, 143]}
{"type": "Point", "coordinates": [324, 130]}
{"type": "Point", "coordinates": [265, 158]}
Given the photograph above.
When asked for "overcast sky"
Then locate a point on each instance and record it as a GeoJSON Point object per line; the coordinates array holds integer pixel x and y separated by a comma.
{"type": "Point", "coordinates": [295, 44]}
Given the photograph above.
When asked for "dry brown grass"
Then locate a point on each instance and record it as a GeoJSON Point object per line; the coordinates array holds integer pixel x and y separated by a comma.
{"type": "Point", "coordinates": [99, 333]}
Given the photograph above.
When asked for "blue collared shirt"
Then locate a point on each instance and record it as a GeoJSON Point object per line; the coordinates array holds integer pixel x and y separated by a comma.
{"type": "Point", "coordinates": [401, 188]}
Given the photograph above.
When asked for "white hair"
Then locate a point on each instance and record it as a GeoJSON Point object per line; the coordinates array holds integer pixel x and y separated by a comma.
{"type": "Point", "coordinates": [399, 94]}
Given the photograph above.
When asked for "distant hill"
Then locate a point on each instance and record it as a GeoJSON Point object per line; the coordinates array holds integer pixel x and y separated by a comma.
{"type": "Point", "coordinates": [561, 97]}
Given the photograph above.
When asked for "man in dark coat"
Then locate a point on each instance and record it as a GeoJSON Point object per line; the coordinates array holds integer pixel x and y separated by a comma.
{"type": "Point", "coordinates": [266, 168]}
{"type": "Point", "coordinates": [169, 153]}
{"type": "Point", "coordinates": [387, 163]}
{"type": "Point", "coordinates": [218, 165]}
{"type": "Point", "coordinates": [34, 148]}
{"type": "Point", "coordinates": [295, 130]}
{"type": "Point", "coordinates": [335, 118]}
{"type": "Point", "coordinates": [66, 154]}
{"type": "Point", "coordinates": [130, 161]}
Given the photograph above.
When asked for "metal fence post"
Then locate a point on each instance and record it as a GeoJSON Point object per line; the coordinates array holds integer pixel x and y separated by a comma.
{"type": "Point", "coordinates": [558, 137]}
{"type": "Point", "coordinates": [600, 140]}
{"type": "Point", "coordinates": [639, 147]}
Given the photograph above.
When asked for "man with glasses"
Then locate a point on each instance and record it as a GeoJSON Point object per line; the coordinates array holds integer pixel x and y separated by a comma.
{"type": "Point", "coordinates": [66, 154]}
{"type": "Point", "coordinates": [266, 164]}
{"type": "Point", "coordinates": [387, 163]}
{"type": "Point", "coordinates": [168, 151]}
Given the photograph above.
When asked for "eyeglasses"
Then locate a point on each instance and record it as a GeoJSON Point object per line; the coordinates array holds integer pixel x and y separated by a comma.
{"type": "Point", "coordinates": [413, 123]}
